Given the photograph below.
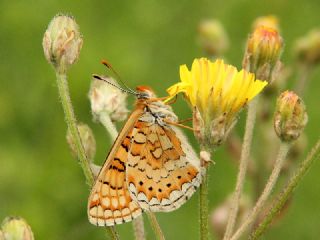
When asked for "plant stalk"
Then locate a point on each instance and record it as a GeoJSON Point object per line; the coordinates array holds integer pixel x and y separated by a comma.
{"type": "Point", "coordinates": [105, 119]}
{"type": "Point", "coordinates": [287, 191]}
{"type": "Point", "coordinates": [203, 208]}
{"type": "Point", "coordinates": [284, 148]}
{"type": "Point", "coordinates": [72, 125]}
{"type": "Point", "coordinates": [244, 161]}
{"type": "Point", "coordinates": [155, 226]}
{"type": "Point", "coordinates": [302, 81]}
{"type": "Point", "coordinates": [138, 228]}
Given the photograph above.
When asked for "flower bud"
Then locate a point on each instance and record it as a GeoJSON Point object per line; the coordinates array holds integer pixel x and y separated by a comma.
{"type": "Point", "coordinates": [264, 48]}
{"type": "Point", "coordinates": [270, 21]}
{"type": "Point", "coordinates": [87, 139]}
{"type": "Point", "coordinates": [290, 116]}
{"type": "Point", "coordinates": [307, 48]}
{"type": "Point", "coordinates": [212, 37]}
{"type": "Point", "coordinates": [62, 42]}
{"type": "Point", "coordinates": [106, 98]}
{"type": "Point", "coordinates": [16, 228]}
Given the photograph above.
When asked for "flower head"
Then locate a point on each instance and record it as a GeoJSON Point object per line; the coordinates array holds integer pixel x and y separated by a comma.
{"type": "Point", "coordinates": [264, 48]}
{"type": "Point", "coordinates": [87, 139]}
{"type": "Point", "coordinates": [107, 99]}
{"type": "Point", "coordinates": [307, 48]}
{"type": "Point", "coordinates": [217, 92]}
{"type": "Point", "coordinates": [290, 116]}
{"type": "Point", "coordinates": [16, 228]}
{"type": "Point", "coordinates": [62, 42]}
{"type": "Point", "coordinates": [212, 37]}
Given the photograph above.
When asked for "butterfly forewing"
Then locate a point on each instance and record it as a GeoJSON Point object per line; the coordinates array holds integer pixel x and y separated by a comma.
{"type": "Point", "coordinates": [162, 169]}
{"type": "Point", "coordinates": [110, 202]}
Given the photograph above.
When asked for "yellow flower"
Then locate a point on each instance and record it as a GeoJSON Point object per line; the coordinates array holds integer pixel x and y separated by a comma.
{"type": "Point", "coordinates": [217, 91]}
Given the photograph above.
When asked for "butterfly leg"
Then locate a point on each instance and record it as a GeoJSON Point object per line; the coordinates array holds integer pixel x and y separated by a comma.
{"type": "Point", "coordinates": [185, 120]}
{"type": "Point", "coordinates": [178, 124]}
{"type": "Point", "coordinates": [172, 101]}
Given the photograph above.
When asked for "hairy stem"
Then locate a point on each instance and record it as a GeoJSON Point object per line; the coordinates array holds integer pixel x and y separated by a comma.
{"type": "Point", "coordinates": [244, 161]}
{"type": "Point", "coordinates": [138, 228]}
{"type": "Point", "coordinates": [303, 74]}
{"type": "Point", "coordinates": [203, 208]}
{"type": "Point", "coordinates": [105, 119]}
{"type": "Point", "coordinates": [287, 191]}
{"type": "Point", "coordinates": [284, 148]}
{"type": "Point", "coordinates": [72, 125]}
{"type": "Point", "coordinates": [155, 226]}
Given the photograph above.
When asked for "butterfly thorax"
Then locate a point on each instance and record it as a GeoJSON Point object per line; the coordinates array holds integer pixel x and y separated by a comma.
{"type": "Point", "coordinates": [155, 110]}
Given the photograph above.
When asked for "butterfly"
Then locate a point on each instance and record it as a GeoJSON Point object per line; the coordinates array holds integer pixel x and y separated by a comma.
{"type": "Point", "coordinates": [151, 166]}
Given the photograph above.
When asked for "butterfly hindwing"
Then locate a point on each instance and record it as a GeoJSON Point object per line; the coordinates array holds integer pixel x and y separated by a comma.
{"type": "Point", "coordinates": [162, 169]}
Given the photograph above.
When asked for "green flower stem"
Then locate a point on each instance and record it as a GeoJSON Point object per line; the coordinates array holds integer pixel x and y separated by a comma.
{"type": "Point", "coordinates": [203, 208]}
{"type": "Point", "coordinates": [244, 161]}
{"type": "Point", "coordinates": [72, 125]}
{"type": "Point", "coordinates": [283, 151]}
{"type": "Point", "coordinates": [138, 228]}
{"type": "Point", "coordinates": [303, 74]}
{"type": "Point", "coordinates": [204, 230]}
{"type": "Point", "coordinates": [155, 226]}
{"type": "Point", "coordinates": [287, 191]}
{"type": "Point", "coordinates": [105, 119]}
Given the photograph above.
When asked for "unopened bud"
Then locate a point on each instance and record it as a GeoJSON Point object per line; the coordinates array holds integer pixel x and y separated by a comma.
{"type": "Point", "coordinates": [307, 48]}
{"type": "Point", "coordinates": [62, 42]}
{"type": "Point", "coordinates": [270, 21]}
{"type": "Point", "coordinates": [212, 37]}
{"type": "Point", "coordinates": [16, 228]}
{"type": "Point", "coordinates": [264, 48]}
{"type": "Point", "coordinates": [106, 98]}
{"type": "Point", "coordinates": [290, 116]}
{"type": "Point", "coordinates": [87, 139]}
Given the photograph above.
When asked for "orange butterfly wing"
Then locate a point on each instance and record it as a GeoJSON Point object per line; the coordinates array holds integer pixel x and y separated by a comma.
{"type": "Point", "coordinates": [110, 202]}
{"type": "Point", "coordinates": [162, 169]}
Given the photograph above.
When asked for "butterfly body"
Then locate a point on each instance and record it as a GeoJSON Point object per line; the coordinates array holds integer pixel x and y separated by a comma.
{"type": "Point", "coordinates": [151, 167]}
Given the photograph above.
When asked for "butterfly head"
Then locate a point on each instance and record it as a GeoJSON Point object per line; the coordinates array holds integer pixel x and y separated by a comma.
{"type": "Point", "coordinates": [145, 92]}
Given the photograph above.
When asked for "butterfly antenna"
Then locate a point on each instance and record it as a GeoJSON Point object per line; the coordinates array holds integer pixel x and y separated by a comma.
{"type": "Point", "coordinates": [109, 66]}
{"type": "Point", "coordinates": [115, 85]}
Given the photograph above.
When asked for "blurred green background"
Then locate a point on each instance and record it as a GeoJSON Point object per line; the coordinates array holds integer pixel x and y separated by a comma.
{"type": "Point", "coordinates": [146, 41]}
